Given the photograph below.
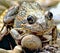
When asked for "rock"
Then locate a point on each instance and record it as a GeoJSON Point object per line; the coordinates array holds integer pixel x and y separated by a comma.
{"type": "Point", "coordinates": [10, 14]}
{"type": "Point", "coordinates": [46, 46]}
{"type": "Point", "coordinates": [58, 52]}
{"type": "Point", "coordinates": [31, 42]}
{"type": "Point", "coordinates": [58, 42]}
{"type": "Point", "coordinates": [15, 34]}
{"type": "Point", "coordinates": [4, 31]}
{"type": "Point", "coordinates": [17, 49]}
{"type": "Point", "coordinates": [56, 46]}
{"type": "Point", "coordinates": [45, 52]}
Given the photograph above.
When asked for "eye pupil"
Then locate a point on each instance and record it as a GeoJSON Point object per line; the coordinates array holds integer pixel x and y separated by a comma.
{"type": "Point", "coordinates": [31, 19]}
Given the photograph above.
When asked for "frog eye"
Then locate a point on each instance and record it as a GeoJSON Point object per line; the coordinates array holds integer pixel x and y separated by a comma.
{"type": "Point", "coordinates": [31, 19]}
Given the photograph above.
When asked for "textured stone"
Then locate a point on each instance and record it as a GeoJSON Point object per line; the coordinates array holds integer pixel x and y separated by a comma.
{"type": "Point", "coordinates": [31, 42]}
